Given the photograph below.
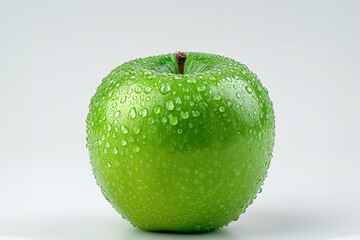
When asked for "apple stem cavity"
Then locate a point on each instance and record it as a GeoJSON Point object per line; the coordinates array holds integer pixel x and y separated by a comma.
{"type": "Point", "coordinates": [180, 59]}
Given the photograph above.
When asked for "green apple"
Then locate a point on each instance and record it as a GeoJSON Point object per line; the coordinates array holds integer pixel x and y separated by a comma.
{"type": "Point", "coordinates": [180, 152]}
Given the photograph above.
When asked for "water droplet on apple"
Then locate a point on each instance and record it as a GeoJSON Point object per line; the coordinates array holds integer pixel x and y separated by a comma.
{"type": "Point", "coordinates": [123, 142]}
{"type": "Point", "coordinates": [107, 144]}
{"type": "Point", "coordinates": [132, 112]}
{"type": "Point", "coordinates": [136, 148]}
{"type": "Point", "coordinates": [169, 105]}
{"type": "Point", "coordinates": [177, 100]}
{"type": "Point", "coordinates": [138, 89]}
{"type": "Point", "coordinates": [157, 110]}
{"type": "Point", "coordinates": [191, 80]}
{"type": "Point", "coordinates": [165, 88]}
{"type": "Point", "coordinates": [123, 99]}
{"type": "Point", "coordinates": [173, 120]}
{"type": "Point", "coordinates": [137, 129]}
{"type": "Point", "coordinates": [147, 89]}
{"type": "Point", "coordinates": [217, 97]}
{"type": "Point", "coordinates": [115, 150]}
{"type": "Point", "coordinates": [221, 109]}
{"type": "Point", "coordinates": [185, 90]}
{"type": "Point", "coordinates": [201, 88]}
{"type": "Point", "coordinates": [143, 112]}
{"type": "Point", "coordinates": [238, 94]}
{"type": "Point", "coordinates": [151, 120]}
{"type": "Point", "coordinates": [114, 104]}
{"type": "Point", "coordinates": [117, 114]}
{"type": "Point", "coordinates": [197, 97]}
{"type": "Point", "coordinates": [124, 129]}
{"type": "Point", "coordinates": [184, 114]}
{"type": "Point", "coordinates": [196, 113]}
{"type": "Point", "coordinates": [108, 164]}
{"type": "Point", "coordinates": [249, 89]}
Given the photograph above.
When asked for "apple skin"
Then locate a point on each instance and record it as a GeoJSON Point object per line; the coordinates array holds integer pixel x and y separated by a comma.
{"type": "Point", "coordinates": [180, 152]}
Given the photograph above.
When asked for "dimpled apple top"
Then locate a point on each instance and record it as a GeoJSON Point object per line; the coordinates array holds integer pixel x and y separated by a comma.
{"type": "Point", "coordinates": [180, 152]}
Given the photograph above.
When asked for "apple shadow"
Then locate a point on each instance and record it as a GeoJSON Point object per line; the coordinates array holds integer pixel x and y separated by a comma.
{"type": "Point", "coordinates": [110, 228]}
{"type": "Point", "coordinates": [253, 225]}
{"type": "Point", "coordinates": [139, 234]}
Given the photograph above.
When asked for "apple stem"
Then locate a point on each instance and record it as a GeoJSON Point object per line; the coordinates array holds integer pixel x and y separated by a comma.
{"type": "Point", "coordinates": [180, 59]}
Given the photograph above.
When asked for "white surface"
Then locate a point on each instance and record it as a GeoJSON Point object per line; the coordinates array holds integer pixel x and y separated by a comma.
{"type": "Point", "coordinates": [53, 55]}
{"type": "Point", "coordinates": [346, 238]}
{"type": "Point", "coordinates": [13, 238]}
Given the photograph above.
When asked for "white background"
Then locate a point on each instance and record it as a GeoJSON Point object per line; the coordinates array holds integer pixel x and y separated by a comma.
{"type": "Point", "coordinates": [53, 55]}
